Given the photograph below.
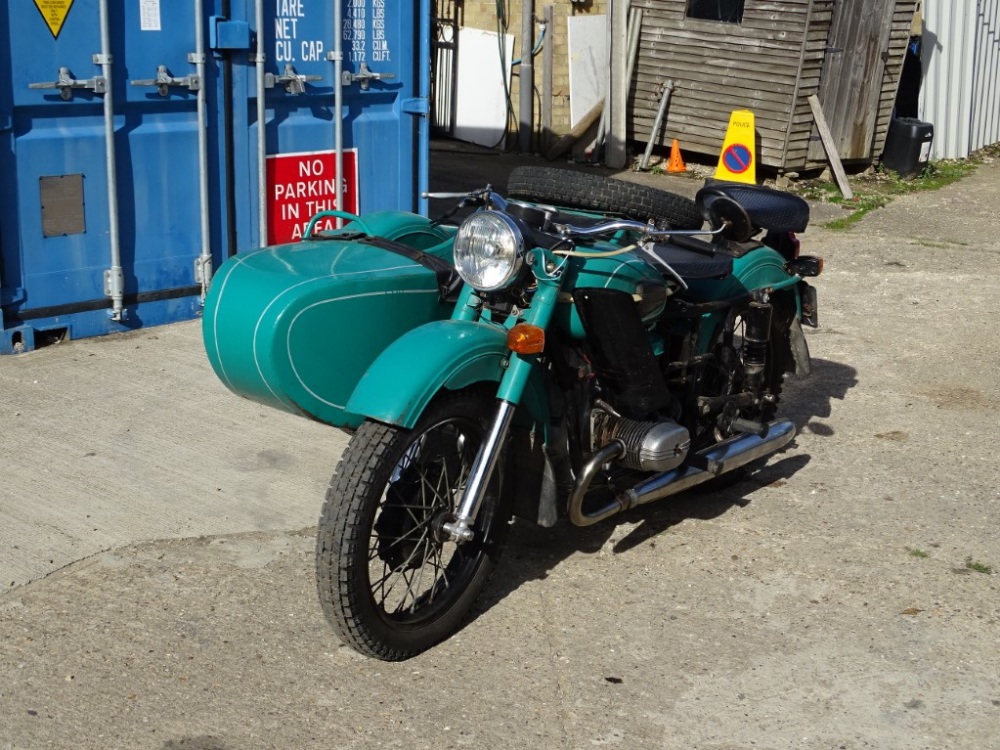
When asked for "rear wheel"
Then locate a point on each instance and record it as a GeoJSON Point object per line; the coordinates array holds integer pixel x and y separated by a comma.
{"type": "Point", "coordinates": [389, 582]}
{"type": "Point", "coordinates": [580, 190]}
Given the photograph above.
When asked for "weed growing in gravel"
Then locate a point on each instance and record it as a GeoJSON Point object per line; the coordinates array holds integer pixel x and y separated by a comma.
{"type": "Point", "coordinates": [977, 566]}
{"type": "Point", "coordinates": [917, 552]}
{"type": "Point", "coordinates": [877, 188]}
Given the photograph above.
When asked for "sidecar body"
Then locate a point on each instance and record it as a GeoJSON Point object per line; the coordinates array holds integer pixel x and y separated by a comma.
{"type": "Point", "coordinates": [296, 326]}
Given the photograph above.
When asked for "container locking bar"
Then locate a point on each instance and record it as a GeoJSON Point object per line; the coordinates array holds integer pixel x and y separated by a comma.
{"type": "Point", "coordinates": [164, 80]}
{"type": "Point", "coordinates": [294, 83]}
{"type": "Point", "coordinates": [66, 83]}
{"type": "Point", "coordinates": [363, 77]}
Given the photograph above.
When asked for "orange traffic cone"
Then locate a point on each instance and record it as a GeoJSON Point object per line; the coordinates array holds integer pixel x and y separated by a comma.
{"type": "Point", "coordinates": [676, 163]}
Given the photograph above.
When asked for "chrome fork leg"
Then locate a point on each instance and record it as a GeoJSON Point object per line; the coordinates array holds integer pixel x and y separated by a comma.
{"type": "Point", "coordinates": [482, 469]}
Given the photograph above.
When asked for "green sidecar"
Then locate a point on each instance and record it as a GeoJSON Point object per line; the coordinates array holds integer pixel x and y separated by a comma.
{"type": "Point", "coordinates": [296, 326]}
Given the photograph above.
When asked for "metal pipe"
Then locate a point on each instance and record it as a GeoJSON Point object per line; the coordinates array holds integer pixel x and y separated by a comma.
{"type": "Point", "coordinates": [719, 459]}
{"type": "Point", "coordinates": [668, 89]}
{"type": "Point", "coordinates": [479, 475]}
{"type": "Point", "coordinates": [423, 122]}
{"type": "Point", "coordinates": [114, 277]}
{"type": "Point", "coordinates": [613, 450]}
{"type": "Point", "coordinates": [548, 59]}
{"type": "Point", "coordinates": [526, 107]}
{"type": "Point", "coordinates": [261, 129]}
{"type": "Point", "coordinates": [338, 105]}
{"type": "Point", "coordinates": [203, 266]}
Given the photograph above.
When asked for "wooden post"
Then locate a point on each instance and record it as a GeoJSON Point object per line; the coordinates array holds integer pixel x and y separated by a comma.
{"type": "Point", "coordinates": [831, 148]}
{"type": "Point", "coordinates": [615, 154]}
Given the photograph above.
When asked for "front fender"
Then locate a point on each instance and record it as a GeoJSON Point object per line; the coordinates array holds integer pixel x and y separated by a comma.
{"type": "Point", "coordinates": [451, 354]}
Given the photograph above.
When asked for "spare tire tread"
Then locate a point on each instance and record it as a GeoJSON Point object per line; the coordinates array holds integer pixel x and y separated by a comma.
{"type": "Point", "coordinates": [570, 189]}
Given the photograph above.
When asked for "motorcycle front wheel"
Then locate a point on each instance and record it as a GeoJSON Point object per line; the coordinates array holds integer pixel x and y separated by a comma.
{"type": "Point", "coordinates": [389, 581]}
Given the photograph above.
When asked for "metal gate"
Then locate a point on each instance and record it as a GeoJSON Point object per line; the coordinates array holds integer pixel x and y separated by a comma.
{"type": "Point", "coordinates": [132, 160]}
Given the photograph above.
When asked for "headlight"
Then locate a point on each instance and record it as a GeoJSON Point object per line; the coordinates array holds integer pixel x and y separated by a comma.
{"type": "Point", "coordinates": [489, 250]}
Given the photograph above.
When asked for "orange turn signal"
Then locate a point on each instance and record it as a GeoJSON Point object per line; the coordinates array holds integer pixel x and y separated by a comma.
{"type": "Point", "coordinates": [526, 339]}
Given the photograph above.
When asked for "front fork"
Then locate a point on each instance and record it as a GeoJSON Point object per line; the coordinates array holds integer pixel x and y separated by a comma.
{"type": "Point", "coordinates": [512, 385]}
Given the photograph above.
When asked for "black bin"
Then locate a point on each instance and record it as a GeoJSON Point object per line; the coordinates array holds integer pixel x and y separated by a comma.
{"type": "Point", "coordinates": [908, 145]}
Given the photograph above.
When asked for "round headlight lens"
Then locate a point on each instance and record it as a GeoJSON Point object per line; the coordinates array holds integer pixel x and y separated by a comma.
{"type": "Point", "coordinates": [489, 250]}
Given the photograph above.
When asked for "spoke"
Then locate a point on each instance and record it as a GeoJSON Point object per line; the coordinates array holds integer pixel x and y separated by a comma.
{"type": "Point", "coordinates": [418, 529]}
{"type": "Point", "coordinates": [425, 486]}
{"type": "Point", "coordinates": [420, 577]}
{"type": "Point", "coordinates": [440, 566]}
{"type": "Point", "coordinates": [430, 477]}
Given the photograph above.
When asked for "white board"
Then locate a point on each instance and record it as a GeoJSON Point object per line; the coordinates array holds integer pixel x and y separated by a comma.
{"type": "Point", "coordinates": [588, 64]}
{"type": "Point", "coordinates": [481, 104]}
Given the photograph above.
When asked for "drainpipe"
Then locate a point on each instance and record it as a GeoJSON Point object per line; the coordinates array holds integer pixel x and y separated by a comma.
{"type": "Point", "coordinates": [203, 265]}
{"type": "Point", "coordinates": [424, 120]}
{"type": "Point", "coordinates": [338, 104]}
{"type": "Point", "coordinates": [526, 107]}
{"type": "Point", "coordinates": [261, 129]}
{"type": "Point", "coordinates": [114, 277]}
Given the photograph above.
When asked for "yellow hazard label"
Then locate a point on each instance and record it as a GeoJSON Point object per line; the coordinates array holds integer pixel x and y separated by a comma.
{"type": "Point", "coordinates": [738, 160]}
{"type": "Point", "coordinates": [54, 12]}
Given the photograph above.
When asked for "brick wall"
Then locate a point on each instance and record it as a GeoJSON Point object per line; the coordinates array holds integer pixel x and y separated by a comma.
{"type": "Point", "coordinates": [482, 14]}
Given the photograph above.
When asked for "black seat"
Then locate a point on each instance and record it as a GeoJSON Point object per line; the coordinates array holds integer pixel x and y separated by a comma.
{"type": "Point", "coordinates": [690, 264]}
{"type": "Point", "coordinates": [773, 210]}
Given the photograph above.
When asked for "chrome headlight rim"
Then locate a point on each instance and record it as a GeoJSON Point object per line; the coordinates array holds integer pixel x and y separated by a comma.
{"type": "Point", "coordinates": [469, 252]}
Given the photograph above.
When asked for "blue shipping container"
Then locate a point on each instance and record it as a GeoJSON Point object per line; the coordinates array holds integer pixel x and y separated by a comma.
{"type": "Point", "coordinates": [133, 160]}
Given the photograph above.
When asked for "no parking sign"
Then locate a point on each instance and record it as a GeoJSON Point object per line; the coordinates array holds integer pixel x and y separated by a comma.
{"type": "Point", "coordinates": [301, 185]}
{"type": "Point", "coordinates": [738, 161]}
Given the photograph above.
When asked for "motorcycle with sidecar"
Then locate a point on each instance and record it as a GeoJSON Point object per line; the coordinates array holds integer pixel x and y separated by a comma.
{"type": "Point", "coordinates": [568, 351]}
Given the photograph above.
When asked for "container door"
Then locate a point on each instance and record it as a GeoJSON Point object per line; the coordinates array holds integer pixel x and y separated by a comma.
{"type": "Point", "coordinates": [103, 205]}
{"type": "Point", "coordinates": [131, 158]}
{"type": "Point", "coordinates": [292, 89]}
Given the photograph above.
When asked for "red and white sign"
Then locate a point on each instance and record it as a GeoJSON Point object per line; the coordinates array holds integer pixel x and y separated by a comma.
{"type": "Point", "coordinates": [301, 185]}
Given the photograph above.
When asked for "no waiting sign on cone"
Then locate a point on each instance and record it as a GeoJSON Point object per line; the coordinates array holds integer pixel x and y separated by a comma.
{"type": "Point", "coordinates": [738, 161]}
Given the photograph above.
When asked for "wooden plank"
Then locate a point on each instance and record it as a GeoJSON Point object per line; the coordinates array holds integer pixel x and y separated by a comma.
{"type": "Point", "coordinates": [831, 148]}
{"type": "Point", "coordinates": [565, 143]}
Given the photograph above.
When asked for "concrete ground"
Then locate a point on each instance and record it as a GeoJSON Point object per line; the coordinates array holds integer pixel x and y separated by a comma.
{"type": "Point", "coordinates": [157, 550]}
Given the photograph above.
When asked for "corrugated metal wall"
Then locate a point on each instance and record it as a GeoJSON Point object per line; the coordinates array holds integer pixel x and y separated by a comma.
{"type": "Point", "coordinates": [961, 61]}
{"type": "Point", "coordinates": [986, 79]}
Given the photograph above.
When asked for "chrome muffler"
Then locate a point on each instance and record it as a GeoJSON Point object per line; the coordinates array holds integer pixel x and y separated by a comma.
{"type": "Point", "coordinates": [707, 464]}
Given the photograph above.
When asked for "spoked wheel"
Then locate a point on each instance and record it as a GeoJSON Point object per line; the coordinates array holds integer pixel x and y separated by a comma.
{"type": "Point", "coordinates": [390, 582]}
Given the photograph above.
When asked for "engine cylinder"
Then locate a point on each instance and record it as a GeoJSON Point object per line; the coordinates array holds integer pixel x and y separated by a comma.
{"type": "Point", "coordinates": [649, 446]}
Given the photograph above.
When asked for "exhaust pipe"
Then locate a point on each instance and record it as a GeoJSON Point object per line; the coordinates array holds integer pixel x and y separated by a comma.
{"type": "Point", "coordinates": [707, 464]}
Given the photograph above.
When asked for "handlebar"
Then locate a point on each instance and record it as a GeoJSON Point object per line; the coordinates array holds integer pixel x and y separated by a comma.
{"type": "Point", "coordinates": [648, 231]}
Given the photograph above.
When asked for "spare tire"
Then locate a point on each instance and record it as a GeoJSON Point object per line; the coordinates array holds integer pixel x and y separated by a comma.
{"type": "Point", "coordinates": [591, 192]}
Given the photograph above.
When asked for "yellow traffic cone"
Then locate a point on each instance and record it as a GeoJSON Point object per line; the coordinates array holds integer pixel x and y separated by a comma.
{"type": "Point", "coordinates": [676, 163]}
